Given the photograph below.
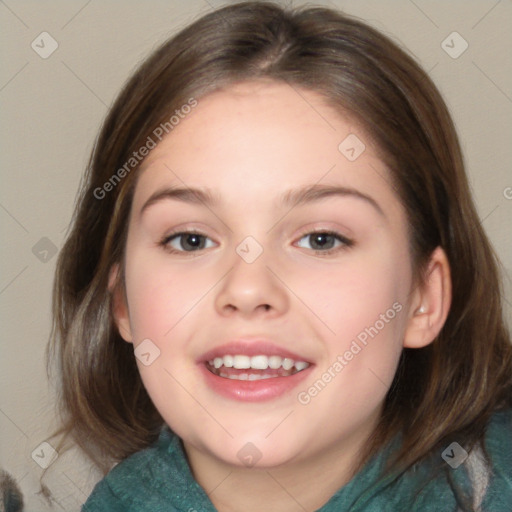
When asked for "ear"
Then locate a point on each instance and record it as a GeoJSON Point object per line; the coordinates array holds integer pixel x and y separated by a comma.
{"type": "Point", "coordinates": [430, 303]}
{"type": "Point", "coordinates": [119, 305]}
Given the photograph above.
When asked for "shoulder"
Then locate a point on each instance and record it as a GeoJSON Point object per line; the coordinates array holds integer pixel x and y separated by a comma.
{"type": "Point", "coordinates": [498, 444]}
{"type": "Point", "coordinates": [435, 484]}
{"type": "Point", "coordinates": [498, 434]}
{"type": "Point", "coordinates": [135, 483]}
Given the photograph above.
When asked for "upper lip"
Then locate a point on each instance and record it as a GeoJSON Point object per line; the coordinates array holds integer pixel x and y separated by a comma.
{"type": "Point", "coordinates": [247, 347]}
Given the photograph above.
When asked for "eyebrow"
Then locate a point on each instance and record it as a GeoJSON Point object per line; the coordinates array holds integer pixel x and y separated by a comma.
{"type": "Point", "coordinates": [290, 198]}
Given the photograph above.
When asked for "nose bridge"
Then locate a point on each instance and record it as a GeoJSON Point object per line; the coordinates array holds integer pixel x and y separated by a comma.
{"type": "Point", "coordinates": [250, 284]}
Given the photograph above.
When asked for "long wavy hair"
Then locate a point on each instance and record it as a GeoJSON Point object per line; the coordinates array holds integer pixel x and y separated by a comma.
{"type": "Point", "coordinates": [447, 390]}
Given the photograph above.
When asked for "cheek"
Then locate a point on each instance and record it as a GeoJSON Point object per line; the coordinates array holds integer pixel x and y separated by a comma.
{"type": "Point", "coordinates": [352, 296]}
{"type": "Point", "coordinates": [363, 306]}
{"type": "Point", "coordinates": [159, 296]}
{"type": "Point", "coordinates": [162, 302]}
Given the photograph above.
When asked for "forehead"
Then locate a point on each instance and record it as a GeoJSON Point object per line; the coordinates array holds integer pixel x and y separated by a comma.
{"type": "Point", "coordinates": [258, 118]}
{"type": "Point", "coordinates": [256, 139]}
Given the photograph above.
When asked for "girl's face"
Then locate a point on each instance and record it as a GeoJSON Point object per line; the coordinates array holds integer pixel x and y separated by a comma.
{"type": "Point", "coordinates": [252, 173]}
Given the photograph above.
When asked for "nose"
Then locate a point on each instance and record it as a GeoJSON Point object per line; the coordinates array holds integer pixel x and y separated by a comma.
{"type": "Point", "coordinates": [252, 289]}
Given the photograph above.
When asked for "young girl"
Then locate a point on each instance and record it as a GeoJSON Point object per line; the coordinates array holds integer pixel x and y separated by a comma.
{"type": "Point", "coordinates": [276, 294]}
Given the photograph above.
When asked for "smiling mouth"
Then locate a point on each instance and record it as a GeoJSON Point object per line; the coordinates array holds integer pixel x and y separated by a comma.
{"type": "Point", "coordinates": [243, 367]}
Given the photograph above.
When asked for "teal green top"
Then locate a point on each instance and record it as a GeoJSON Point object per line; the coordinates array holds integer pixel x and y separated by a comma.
{"type": "Point", "coordinates": [159, 479]}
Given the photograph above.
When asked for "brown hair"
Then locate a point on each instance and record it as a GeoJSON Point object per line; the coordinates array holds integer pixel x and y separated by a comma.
{"type": "Point", "coordinates": [444, 391]}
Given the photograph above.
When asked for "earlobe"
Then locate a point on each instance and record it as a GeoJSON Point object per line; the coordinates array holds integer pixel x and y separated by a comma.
{"type": "Point", "coordinates": [119, 305]}
{"type": "Point", "coordinates": [430, 303]}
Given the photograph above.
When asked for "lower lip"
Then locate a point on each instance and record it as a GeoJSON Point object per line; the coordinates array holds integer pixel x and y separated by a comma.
{"type": "Point", "coordinates": [253, 390]}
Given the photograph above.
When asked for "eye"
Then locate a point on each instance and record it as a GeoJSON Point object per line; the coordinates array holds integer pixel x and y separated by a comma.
{"type": "Point", "coordinates": [185, 241]}
{"type": "Point", "coordinates": [324, 242]}
{"type": "Point", "coordinates": [321, 242]}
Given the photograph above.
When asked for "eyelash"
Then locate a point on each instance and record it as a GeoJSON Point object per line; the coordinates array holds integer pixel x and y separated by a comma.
{"type": "Point", "coordinates": [346, 243]}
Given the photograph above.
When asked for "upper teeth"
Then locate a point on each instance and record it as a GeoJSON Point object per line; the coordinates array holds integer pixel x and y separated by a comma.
{"type": "Point", "coordinates": [257, 362]}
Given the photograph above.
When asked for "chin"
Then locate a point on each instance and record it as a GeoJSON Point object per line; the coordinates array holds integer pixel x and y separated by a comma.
{"type": "Point", "coordinates": [256, 453]}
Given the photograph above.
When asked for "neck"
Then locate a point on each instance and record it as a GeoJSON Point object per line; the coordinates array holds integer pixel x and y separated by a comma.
{"type": "Point", "coordinates": [299, 485]}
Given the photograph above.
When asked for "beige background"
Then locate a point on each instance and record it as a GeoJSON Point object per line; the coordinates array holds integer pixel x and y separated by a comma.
{"type": "Point", "coordinates": [52, 109]}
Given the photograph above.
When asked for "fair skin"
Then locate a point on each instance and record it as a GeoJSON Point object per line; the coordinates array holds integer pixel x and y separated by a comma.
{"type": "Point", "coordinates": [248, 144]}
